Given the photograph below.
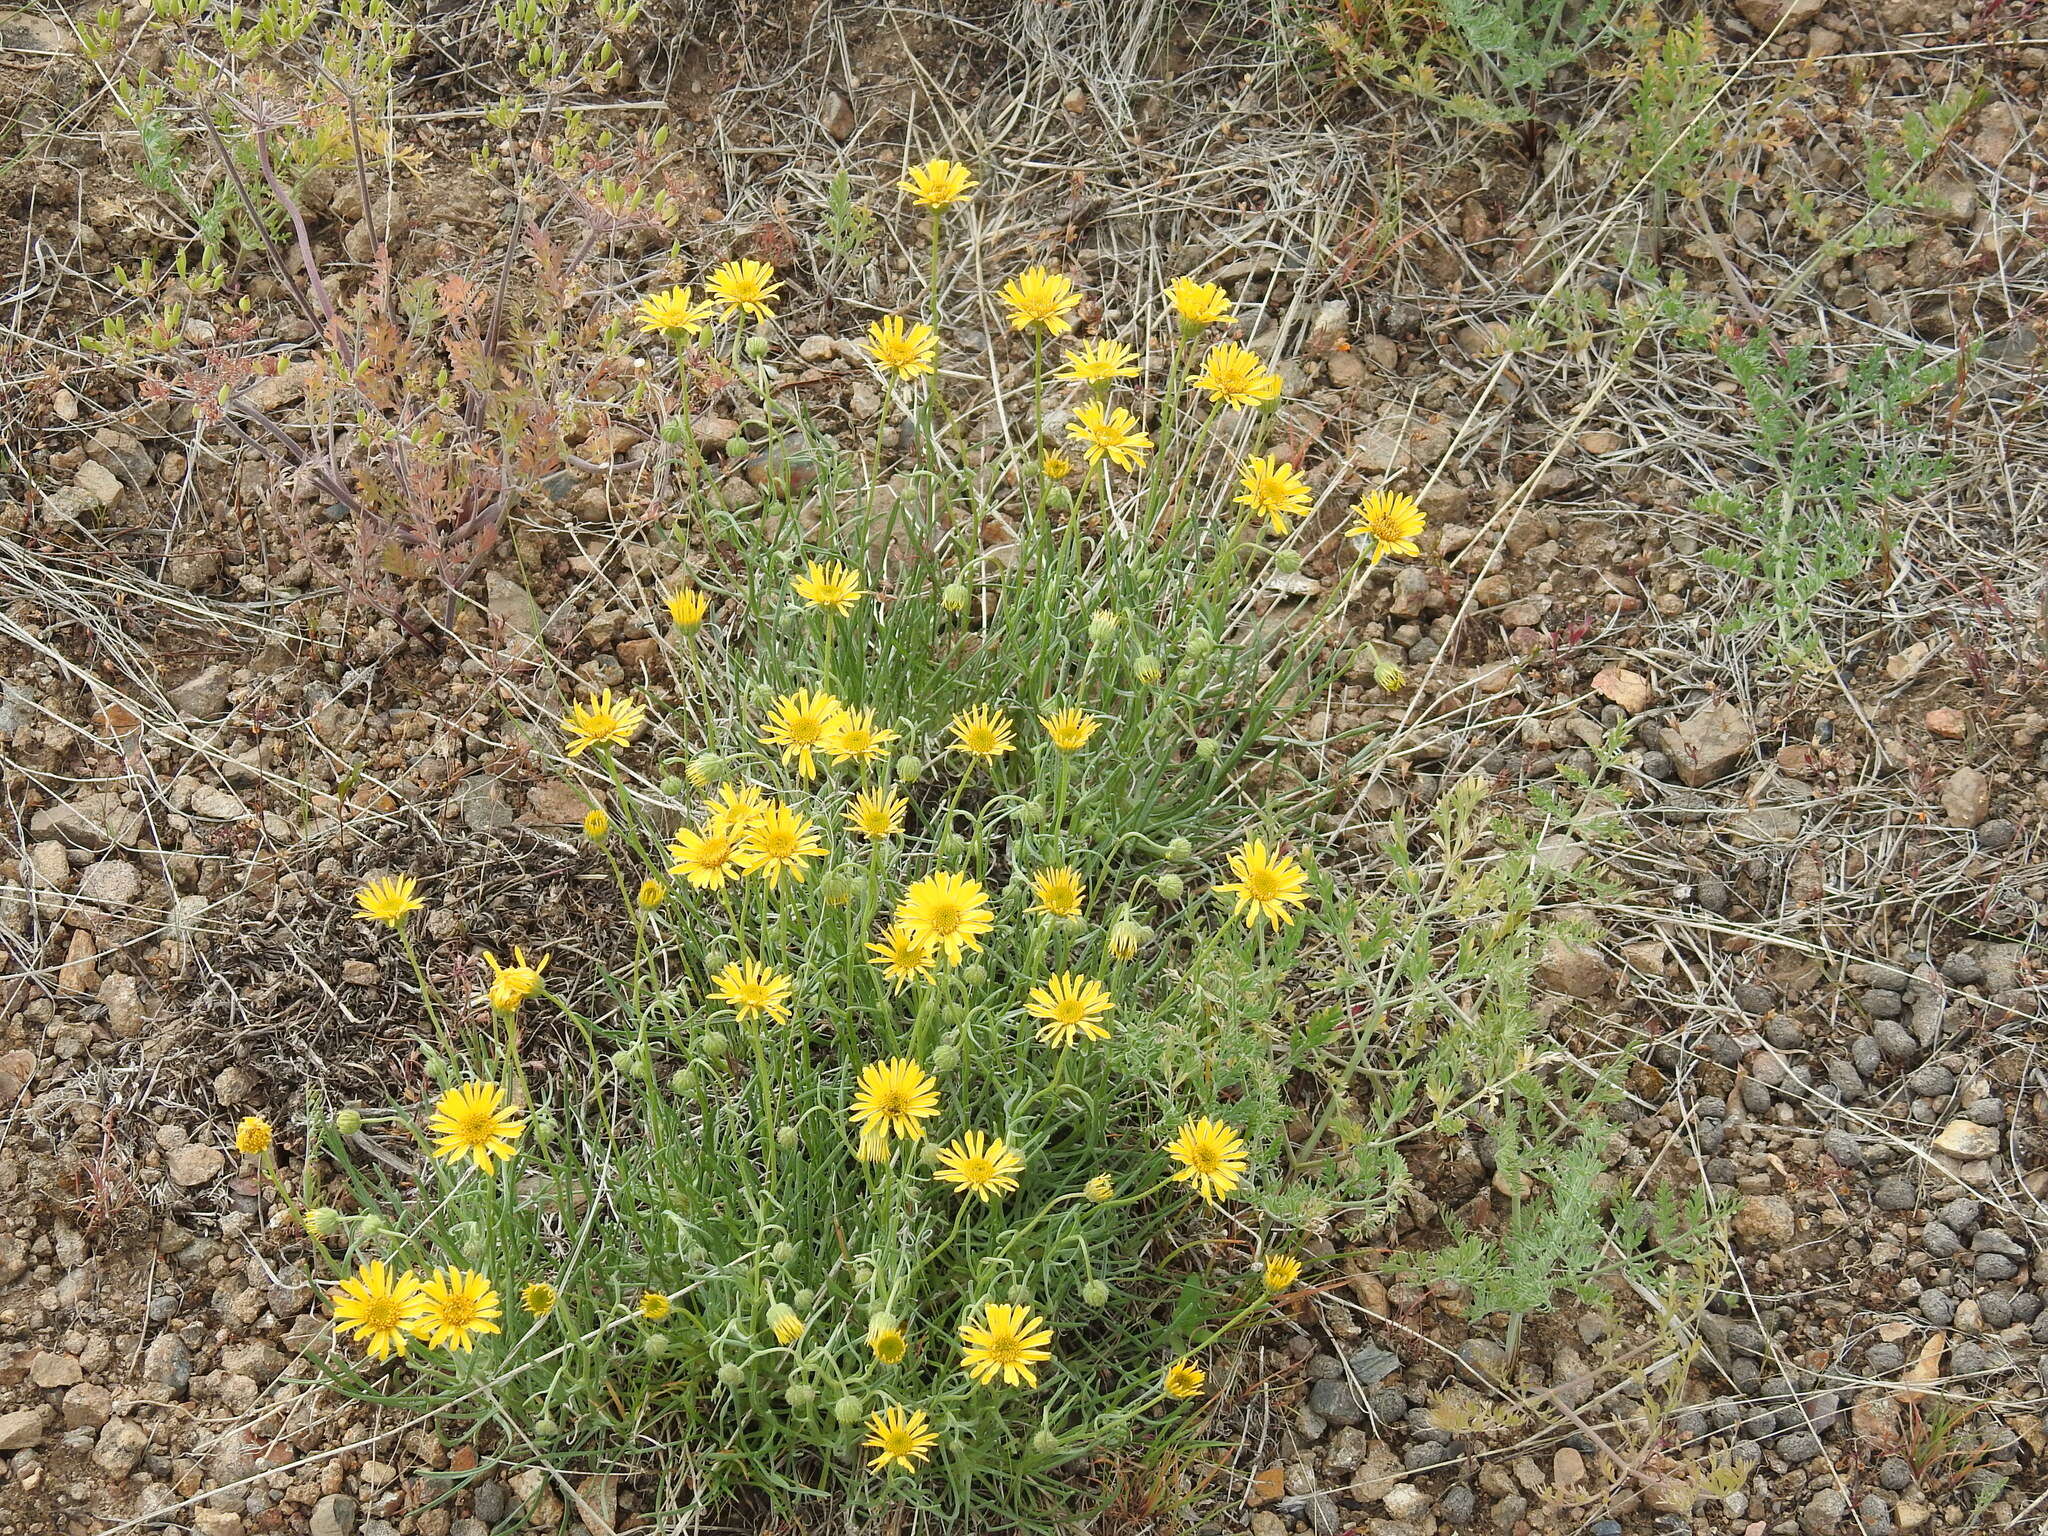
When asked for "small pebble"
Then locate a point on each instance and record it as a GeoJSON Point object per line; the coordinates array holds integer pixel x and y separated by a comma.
{"type": "Point", "coordinates": [1896, 1193]}
{"type": "Point", "coordinates": [1931, 1081]}
{"type": "Point", "coordinates": [1939, 1241]}
{"type": "Point", "coordinates": [1962, 969]}
{"type": "Point", "coordinates": [1895, 1473]}
{"type": "Point", "coordinates": [1754, 999]}
{"type": "Point", "coordinates": [1937, 1308]}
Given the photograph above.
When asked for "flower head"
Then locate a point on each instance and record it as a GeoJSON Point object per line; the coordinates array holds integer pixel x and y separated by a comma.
{"type": "Point", "coordinates": [706, 859]}
{"type": "Point", "coordinates": [785, 1324]}
{"type": "Point", "coordinates": [1389, 676]}
{"type": "Point", "coordinates": [981, 732]}
{"type": "Point", "coordinates": [899, 1439]}
{"type": "Point", "coordinates": [459, 1303]}
{"type": "Point", "coordinates": [1100, 361]}
{"type": "Point", "coordinates": [1198, 303]}
{"type": "Point", "coordinates": [1109, 432]}
{"type": "Point", "coordinates": [903, 955]}
{"type": "Point", "coordinates": [674, 313]}
{"type": "Point", "coordinates": [1069, 729]}
{"type": "Point", "coordinates": [597, 825]}
{"type": "Point", "coordinates": [1274, 490]}
{"type": "Point", "coordinates": [600, 722]}
{"type": "Point", "coordinates": [1101, 1189]}
{"type": "Point", "coordinates": [652, 893]}
{"type": "Point", "coordinates": [976, 1164]}
{"type": "Point", "coordinates": [835, 587]}
{"type": "Point", "coordinates": [949, 911]}
{"type": "Point", "coordinates": [937, 183]}
{"type": "Point", "coordinates": [855, 738]}
{"type": "Point", "coordinates": [512, 984]}
{"type": "Point", "coordinates": [1184, 1379]}
{"type": "Point", "coordinates": [902, 350]}
{"type": "Point", "coordinates": [1392, 520]}
{"type": "Point", "coordinates": [653, 1306]}
{"type": "Point", "coordinates": [1268, 885]}
{"type": "Point", "coordinates": [387, 901]}
{"type": "Point", "coordinates": [687, 607]}
{"type": "Point", "coordinates": [733, 809]}
{"type": "Point", "coordinates": [895, 1098]}
{"type": "Point", "coordinates": [1234, 376]}
{"type": "Point", "coordinates": [1071, 1008]}
{"type": "Point", "coordinates": [1126, 936]}
{"type": "Point", "coordinates": [744, 287]}
{"type": "Point", "coordinates": [1055, 465]}
{"type": "Point", "coordinates": [1006, 1344]}
{"type": "Point", "coordinates": [1279, 1272]}
{"type": "Point", "coordinates": [752, 989]}
{"type": "Point", "coordinates": [474, 1121]}
{"type": "Point", "coordinates": [1042, 297]}
{"type": "Point", "coordinates": [877, 813]}
{"type": "Point", "coordinates": [887, 1343]}
{"type": "Point", "coordinates": [253, 1135]}
{"type": "Point", "coordinates": [379, 1307]}
{"type": "Point", "coordinates": [781, 843]}
{"type": "Point", "coordinates": [538, 1298]}
{"type": "Point", "coordinates": [1211, 1157]}
{"type": "Point", "coordinates": [797, 724]}
{"type": "Point", "coordinates": [1058, 892]}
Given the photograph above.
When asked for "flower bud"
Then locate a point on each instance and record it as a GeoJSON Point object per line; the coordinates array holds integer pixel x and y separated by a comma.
{"type": "Point", "coordinates": [954, 597]}
{"type": "Point", "coordinates": [1201, 645]}
{"type": "Point", "coordinates": [706, 769]}
{"type": "Point", "coordinates": [757, 347]}
{"type": "Point", "coordinates": [737, 446]}
{"type": "Point", "coordinates": [1169, 886]}
{"type": "Point", "coordinates": [803, 1300]}
{"type": "Point", "coordinates": [655, 1345]}
{"type": "Point", "coordinates": [1390, 677]}
{"type": "Point", "coordinates": [974, 973]}
{"type": "Point", "coordinates": [848, 1409]}
{"type": "Point", "coordinates": [946, 1058]}
{"type": "Point", "coordinates": [928, 1153]}
{"type": "Point", "coordinates": [838, 888]}
{"type": "Point", "coordinates": [730, 1375]}
{"type": "Point", "coordinates": [1125, 936]}
{"type": "Point", "coordinates": [682, 1082]}
{"type": "Point", "coordinates": [1095, 1293]}
{"type": "Point", "coordinates": [1148, 668]}
{"type": "Point", "coordinates": [714, 1046]}
{"type": "Point", "coordinates": [1059, 498]}
{"type": "Point", "coordinates": [1206, 749]}
{"type": "Point", "coordinates": [1046, 1443]}
{"type": "Point", "coordinates": [1031, 813]}
{"type": "Point", "coordinates": [952, 845]}
{"type": "Point", "coordinates": [801, 1396]}
{"type": "Point", "coordinates": [909, 768]}
{"type": "Point", "coordinates": [349, 1121]}
{"type": "Point", "coordinates": [864, 1276]}
{"type": "Point", "coordinates": [761, 695]}
{"type": "Point", "coordinates": [1020, 1294]}
{"type": "Point", "coordinates": [675, 431]}
{"type": "Point", "coordinates": [596, 825]}
{"type": "Point", "coordinates": [954, 1015]}
{"type": "Point", "coordinates": [1102, 626]}
{"type": "Point", "coordinates": [369, 1224]}
{"type": "Point", "coordinates": [546, 1427]}
{"type": "Point", "coordinates": [633, 1061]}
{"type": "Point", "coordinates": [323, 1221]}
{"type": "Point", "coordinates": [1287, 560]}
{"type": "Point", "coordinates": [1180, 850]}
{"type": "Point", "coordinates": [672, 787]}
{"type": "Point", "coordinates": [783, 1251]}
{"type": "Point", "coordinates": [1101, 1188]}
{"type": "Point", "coordinates": [785, 1137]}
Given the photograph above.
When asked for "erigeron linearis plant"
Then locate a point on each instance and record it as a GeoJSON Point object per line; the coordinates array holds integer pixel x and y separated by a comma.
{"type": "Point", "coordinates": [929, 1099]}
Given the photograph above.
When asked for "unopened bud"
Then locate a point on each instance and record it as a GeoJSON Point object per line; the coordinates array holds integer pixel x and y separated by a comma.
{"type": "Point", "coordinates": [1148, 669]}
{"type": "Point", "coordinates": [848, 1409]}
{"type": "Point", "coordinates": [1095, 1293]}
{"type": "Point", "coordinates": [1287, 560]}
{"type": "Point", "coordinates": [909, 768]}
{"type": "Point", "coordinates": [757, 347]}
{"type": "Point", "coordinates": [954, 597]}
{"type": "Point", "coordinates": [801, 1396]}
{"type": "Point", "coordinates": [1206, 749]}
{"type": "Point", "coordinates": [783, 1251]}
{"type": "Point", "coordinates": [323, 1221]}
{"type": "Point", "coordinates": [1170, 887]}
{"type": "Point", "coordinates": [715, 1046]}
{"type": "Point", "coordinates": [730, 1375]}
{"type": "Point", "coordinates": [974, 973]}
{"type": "Point", "coordinates": [785, 1137]}
{"type": "Point", "coordinates": [1031, 813]}
{"type": "Point", "coordinates": [1046, 1443]}
{"type": "Point", "coordinates": [1180, 850]}
{"type": "Point", "coordinates": [655, 1345]}
{"type": "Point", "coordinates": [945, 1058]}
{"type": "Point", "coordinates": [1102, 626]}
{"type": "Point", "coordinates": [349, 1121]}
{"type": "Point", "coordinates": [706, 769]}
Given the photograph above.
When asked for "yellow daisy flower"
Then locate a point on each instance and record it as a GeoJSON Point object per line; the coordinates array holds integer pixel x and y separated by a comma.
{"type": "Point", "coordinates": [652, 893]}
{"type": "Point", "coordinates": [1392, 520]}
{"type": "Point", "coordinates": [1184, 1379]}
{"type": "Point", "coordinates": [895, 1098]}
{"type": "Point", "coordinates": [752, 989]}
{"type": "Point", "coordinates": [949, 911]}
{"type": "Point", "coordinates": [1041, 297]}
{"type": "Point", "coordinates": [903, 350]}
{"type": "Point", "coordinates": [600, 722]}
{"type": "Point", "coordinates": [654, 1306]}
{"type": "Point", "coordinates": [513, 984]}
{"type": "Point", "coordinates": [1234, 376]}
{"type": "Point", "coordinates": [459, 1304]}
{"type": "Point", "coordinates": [733, 809]}
{"type": "Point", "coordinates": [1100, 361]}
{"type": "Point", "coordinates": [937, 183]}
{"type": "Point", "coordinates": [1055, 466]}
{"type": "Point", "coordinates": [1069, 729]}
{"type": "Point", "coordinates": [538, 1298]}
{"type": "Point", "coordinates": [855, 738]}
{"type": "Point", "coordinates": [597, 826]}
{"type": "Point", "coordinates": [899, 1439]}
{"type": "Point", "coordinates": [253, 1135]}
{"type": "Point", "coordinates": [1111, 433]}
{"type": "Point", "coordinates": [688, 608]}
{"type": "Point", "coordinates": [797, 724]}
{"type": "Point", "coordinates": [1275, 491]}
{"type": "Point", "coordinates": [1211, 1156]}
{"type": "Point", "coordinates": [781, 843]}
{"type": "Point", "coordinates": [981, 732]}
{"type": "Point", "coordinates": [473, 1121]}
{"type": "Point", "coordinates": [785, 1324]}
{"type": "Point", "coordinates": [1279, 1272]}
{"type": "Point", "coordinates": [888, 1345]}
{"type": "Point", "coordinates": [977, 1165]}
{"type": "Point", "coordinates": [1198, 303]}
{"type": "Point", "coordinates": [835, 587]}
{"type": "Point", "coordinates": [379, 1307]}
{"type": "Point", "coordinates": [1101, 1189]}
{"type": "Point", "coordinates": [1071, 1007]}
{"type": "Point", "coordinates": [877, 813]}
{"type": "Point", "coordinates": [1268, 885]}
{"type": "Point", "coordinates": [706, 859]}
{"type": "Point", "coordinates": [388, 901]}
{"type": "Point", "coordinates": [1057, 892]}
{"type": "Point", "coordinates": [744, 287]}
{"type": "Point", "coordinates": [903, 955]}
{"type": "Point", "coordinates": [676, 312]}
{"type": "Point", "coordinates": [1006, 1344]}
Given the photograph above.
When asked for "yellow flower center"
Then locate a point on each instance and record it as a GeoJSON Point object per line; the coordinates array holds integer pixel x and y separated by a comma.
{"type": "Point", "coordinates": [1003, 1349]}
{"type": "Point", "coordinates": [1261, 884]}
{"type": "Point", "coordinates": [776, 845]}
{"type": "Point", "coordinates": [1204, 1158]}
{"type": "Point", "coordinates": [458, 1311]}
{"type": "Point", "coordinates": [477, 1127]}
{"type": "Point", "coordinates": [893, 1103]}
{"type": "Point", "coordinates": [382, 1314]}
{"type": "Point", "coordinates": [944, 918]}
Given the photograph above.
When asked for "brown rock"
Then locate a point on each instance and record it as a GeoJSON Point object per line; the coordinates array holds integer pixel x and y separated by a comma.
{"type": "Point", "coordinates": [54, 1368]}
{"type": "Point", "coordinates": [78, 975]}
{"type": "Point", "coordinates": [1966, 797]}
{"type": "Point", "coordinates": [640, 655]}
{"type": "Point", "coordinates": [1948, 724]}
{"type": "Point", "coordinates": [1778, 15]}
{"type": "Point", "coordinates": [1926, 1370]}
{"type": "Point", "coordinates": [1765, 1222]}
{"type": "Point", "coordinates": [193, 1165]}
{"type": "Point", "coordinates": [1966, 1141]}
{"type": "Point", "coordinates": [1577, 970]}
{"type": "Point", "coordinates": [1631, 690]}
{"type": "Point", "coordinates": [1707, 746]}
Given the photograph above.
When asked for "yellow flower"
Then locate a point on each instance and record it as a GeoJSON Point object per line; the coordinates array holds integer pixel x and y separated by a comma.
{"type": "Point", "coordinates": [1267, 886]}
{"type": "Point", "coordinates": [253, 1135]}
{"type": "Point", "coordinates": [877, 813]}
{"type": "Point", "coordinates": [1109, 433]}
{"type": "Point", "coordinates": [947, 910]}
{"type": "Point", "coordinates": [895, 1098]}
{"type": "Point", "coordinates": [654, 1306]}
{"type": "Point", "coordinates": [733, 809]}
{"type": "Point", "coordinates": [473, 1121]}
{"type": "Point", "coordinates": [1126, 934]}
{"type": "Point", "coordinates": [785, 1324]}
{"type": "Point", "coordinates": [903, 955]}
{"type": "Point", "coordinates": [1279, 1272]}
{"type": "Point", "coordinates": [1392, 520]}
{"type": "Point", "coordinates": [978, 1165]}
{"type": "Point", "coordinates": [835, 587]}
{"type": "Point", "coordinates": [899, 1439]}
{"type": "Point", "coordinates": [1274, 491]}
{"type": "Point", "coordinates": [388, 901]}
{"type": "Point", "coordinates": [1057, 892]}
{"type": "Point", "coordinates": [888, 1345]}
{"type": "Point", "coordinates": [937, 183]}
{"type": "Point", "coordinates": [687, 607]}
{"type": "Point", "coordinates": [1055, 466]}
{"type": "Point", "coordinates": [511, 984]}
{"type": "Point", "coordinates": [1198, 303]}
{"type": "Point", "coordinates": [538, 1298]}
{"type": "Point", "coordinates": [674, 312]}
{"type": "Point", "coordinates": [459, 1303]}
{"type": "Point", "coordinates": [798, 723]}
{"type": "Point", "coordinates": [752, 990]}
{"type": "Point", "coordinates": [981, 732]}
{"type": "Point", "coordinates": [1041, 297]}
{"type": "Point", "coordinates": [596, 824]}
{"type": "Point", "coordinates": [1184, 1379]}
{"type": "Point", "coordinates": [1069, 729]}
{"type": "Point", "coordinates": [1007, 1343]}
{"type": "Point", "coordinates": [1211, 1157]}
{"type": "Point", "coordinates": [1070, 1006]}
{"type": "Point", "coordinates": [652, 893]}
{"type": "Point", "coordinates": [855, 738]}
{"type": "Point", "coordinates": [901, 350]}
{"type": "Point", "coordinates": [379, 1307]}
{"type": "Point", "coordinates": [873, 1146]}
{"type": "Point", "coordinates": [599, 722]}
{"type": "Point", "coordinates": [706, 859]}
{"type": "Point", "coordinates": [1101, 361]}
{"type": "Point", "coordinates": [1389, 676]}
{"type": "Point", "coordinates": [1234, 376]}
{"type": "Point", "coordinates": [1101, 1189]}
{"type": "Point", "coordinates": [744, 288]}
{"type": "Point", "coordinates": [781, 842]}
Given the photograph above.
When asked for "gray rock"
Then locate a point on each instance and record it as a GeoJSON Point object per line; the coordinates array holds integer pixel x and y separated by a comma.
{"type": "Point", "coordinates": [120, 1446]}
{"type": "Point", "coordinates": [335, 1515]}
{"type": "Point", "coordinates": [1932, 1081]}
{"type": "Point", "coordinates": [1878, 974]}
{"type": "Point", "coordinates": [1996, 836]}
{"type": "Point", "coordinates": [1937, 1308]}
{"type": "Point", "coordinates": [1322, 1514]}
{"type": "Point", "coordinates": [1995, 1307]}
{"type": "Point", "coordinates": [1866, 1055]}
{"type": "Point", "coordinates": [167, 1365]}
{"type": "Point", "coordinates": [1882, 1359]}
{"type": "Point", "coordinates": [491, 1501]}
{"type": "Point", "coordinates": [1996, 1266]}
{"type": "Point", "coordinates": [1963, 969]}
{"type": "Point", "coordinates": [1991, 1240]}
{"type": "Point", "coordinates": [1895, 1473]}
{"type": "Point", "coordinates": [1881, 1003]}
{"type": "Point", "coordinates": [1841, 1146]}
{"type": "Point", "coordinates": [1785, 1034]}
{"type": "Point", "coordinates": [1713, 894]}
{"type": "Point", "coordinates": [1458, 1504]}
{"type": "Point", "coordinates": [1875, 1514]}
{"type": "Point", "coordinates": [204, 697]}
{"type": "Point", "coordinates": [1371, 1365]}
{"type": "Point", "coordinates": [1844, 1076]}
{"type": "Point", "coordinates": [1894, 1040]}
{"type": "Point", "coordinates": [1823, 1513]}
{"type": "Point", "coordinates": [1966, 797]}
{"type": "Point", "coordinates": [1989, 1112]}
{"type": "Point", "coordinates": [1799, 1447]}
{"type": "Point", "coordinates": [484, 809]}
{"type": "Point", "coordinates": [1754, 999]}
{"type": "Point", "coordinates": [1968, 1358]}
{"type": "Point", "coordinates": [2026, 1306]}
{"type": "Point", "coordinates": [1336, 1402]}
{"type": "Point", "coordinates": [1423, 1455]}
{"type": "Point", "coordinates": [1939, 1241]}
